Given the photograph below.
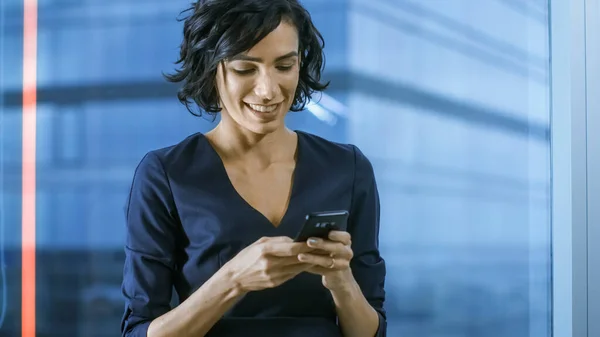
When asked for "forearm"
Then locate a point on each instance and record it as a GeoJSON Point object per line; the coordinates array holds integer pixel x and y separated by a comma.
{"type": "Point", "coordinates": [357, 318]}
{"type": "Point", "coordinates": [199, 313]}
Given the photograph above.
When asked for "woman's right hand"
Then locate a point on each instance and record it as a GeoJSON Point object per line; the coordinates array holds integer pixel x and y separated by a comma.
{"type": "Point", "coordinates": [267, 263]}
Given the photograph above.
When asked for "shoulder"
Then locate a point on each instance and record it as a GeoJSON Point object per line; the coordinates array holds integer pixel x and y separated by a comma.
{"type": "Point", "coordinates": [155, 163]}
{"type": "Point", "coordinates": [181, 152]}
{"type": "Point", "coordinates": [348, 154]}
{"type": "Point", "coordinates": [178, 158]}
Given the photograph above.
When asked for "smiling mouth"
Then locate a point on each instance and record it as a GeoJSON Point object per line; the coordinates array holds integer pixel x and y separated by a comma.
{"type": "Point", "coordinates": [262, 109]}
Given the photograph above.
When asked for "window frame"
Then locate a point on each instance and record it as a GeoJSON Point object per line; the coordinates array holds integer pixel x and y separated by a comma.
{"type": "Point", "coordinates": [575, 164]}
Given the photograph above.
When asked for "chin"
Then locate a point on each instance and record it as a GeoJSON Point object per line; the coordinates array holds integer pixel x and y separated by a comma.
{"type": "Point", "coordinates": [263, 128]}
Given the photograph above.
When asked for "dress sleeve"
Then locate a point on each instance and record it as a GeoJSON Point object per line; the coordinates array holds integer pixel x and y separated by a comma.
{"type": "Point", "coordinates": [367, 265]}
{"type": "Point", "coordinates": [151, 223]}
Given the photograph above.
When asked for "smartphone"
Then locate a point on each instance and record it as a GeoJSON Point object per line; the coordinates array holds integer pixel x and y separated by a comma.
{"type": "Point", "coordinates": [319, 224]}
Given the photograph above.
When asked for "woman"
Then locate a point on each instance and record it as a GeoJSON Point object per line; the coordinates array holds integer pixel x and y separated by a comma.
{"type": "Point", "coordinates": [213, 217]}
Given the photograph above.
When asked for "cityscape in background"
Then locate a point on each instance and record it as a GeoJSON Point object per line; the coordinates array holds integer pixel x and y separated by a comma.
{"type": "Point", "coordinates": [449, 102]}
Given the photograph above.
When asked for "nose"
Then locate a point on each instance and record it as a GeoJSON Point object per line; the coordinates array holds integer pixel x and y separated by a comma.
{"type": "Point", "coordinates": [266, 88]}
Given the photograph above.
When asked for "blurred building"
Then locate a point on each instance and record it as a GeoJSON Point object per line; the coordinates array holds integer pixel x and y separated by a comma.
{"type": "Point", "coordinates": [449, 99]}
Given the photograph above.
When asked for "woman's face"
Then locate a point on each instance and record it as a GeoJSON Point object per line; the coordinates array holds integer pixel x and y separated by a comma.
{"type": "Point", "coordinates": [257, 88]}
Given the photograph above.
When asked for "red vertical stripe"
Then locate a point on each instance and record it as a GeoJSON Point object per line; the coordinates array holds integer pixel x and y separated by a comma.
{"type": "Point", "coordinates": [28, 192]}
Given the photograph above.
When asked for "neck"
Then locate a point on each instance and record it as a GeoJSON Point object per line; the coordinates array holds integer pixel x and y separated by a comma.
{"type": "Point", "coordinates": [235, 144]}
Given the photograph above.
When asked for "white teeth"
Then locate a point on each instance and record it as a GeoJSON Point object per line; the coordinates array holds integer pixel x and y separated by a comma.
{"type": "Point", "coordinates": [263, 108]}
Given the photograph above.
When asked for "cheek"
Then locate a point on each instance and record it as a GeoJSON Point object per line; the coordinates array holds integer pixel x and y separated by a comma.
{"type": "Point", "coordinates": [236, 91]}
{"type": "Point", "coordinates": [290, 84]}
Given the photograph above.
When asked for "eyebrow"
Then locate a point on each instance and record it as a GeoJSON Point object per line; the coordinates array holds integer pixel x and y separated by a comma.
{"type": "Point", "coordinates": [242, 57]}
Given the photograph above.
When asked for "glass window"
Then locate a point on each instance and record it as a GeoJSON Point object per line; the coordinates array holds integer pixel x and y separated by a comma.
{"type": "Point", "coordinates": [448, 99]}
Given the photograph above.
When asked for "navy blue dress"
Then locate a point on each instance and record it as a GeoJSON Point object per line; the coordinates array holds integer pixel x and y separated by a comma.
{"type": "Point", "coordinates": [185, 220]}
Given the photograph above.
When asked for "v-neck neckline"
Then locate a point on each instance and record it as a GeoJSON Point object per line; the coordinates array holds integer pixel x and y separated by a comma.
{"type": "Point", "coordinates": [243, 201]}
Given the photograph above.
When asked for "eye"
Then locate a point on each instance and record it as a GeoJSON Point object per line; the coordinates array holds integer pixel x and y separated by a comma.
{"type": "Point", "coordinates": [285, 68]}
{"type": "Point", "coordinates": [243, 71]}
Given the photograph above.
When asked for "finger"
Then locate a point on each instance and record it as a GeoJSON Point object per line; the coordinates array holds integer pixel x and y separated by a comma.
{"type": "Point", "coordinates": [316, 251]}
{"type": "Point", "coordinates": [278, 280]}
{"type": "Point", "coordinates": [323, 261]}
{"type": "Point", "coordinates": [291, 268]}
{"type": "Point", "coordinates": [288, 275]}
{"type": "Point", "coordinates": [288, 262]}
{"type": "Point", "coordinates": [279, 239]}
{"type": "Point", "coordinates": [283, 249]}
{"type": "Point", "coordinates": [335, 248]}
{"type": "Point", "coordinates": [340, 236]}
{"type": "Point", "coordinates": [266, 239]}
{"type": "Point", "coordinates": [295, 267]}
{"type": "Point", "coordinates": [261, 240]}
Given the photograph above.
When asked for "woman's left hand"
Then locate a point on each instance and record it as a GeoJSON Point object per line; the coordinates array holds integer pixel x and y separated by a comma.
{"type": "Point", "coordinates": [331, 259]}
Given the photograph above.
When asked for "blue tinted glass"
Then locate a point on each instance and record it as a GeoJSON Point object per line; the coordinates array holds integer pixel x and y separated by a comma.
{"type": "Point", "coordinates": [448, 99]}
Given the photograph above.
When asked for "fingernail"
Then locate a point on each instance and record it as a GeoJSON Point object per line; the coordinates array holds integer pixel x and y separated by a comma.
{"type": "Point", "coordinates": [313, 241]}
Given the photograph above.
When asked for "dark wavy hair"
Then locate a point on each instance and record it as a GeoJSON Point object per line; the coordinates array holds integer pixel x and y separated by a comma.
{"type": "Point", "coordinates": [216, 30]}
